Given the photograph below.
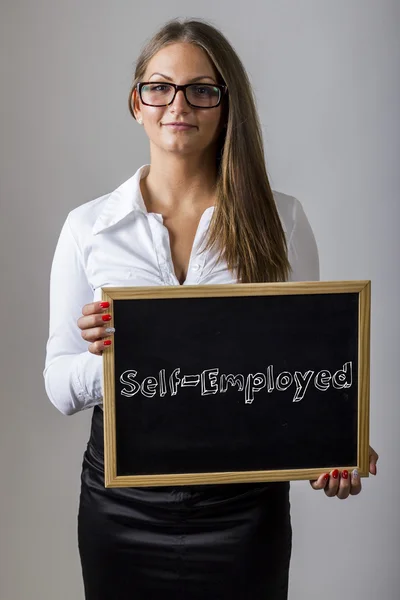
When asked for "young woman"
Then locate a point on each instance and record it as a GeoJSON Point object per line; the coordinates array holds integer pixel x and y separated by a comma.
{"type": "Point", "coordinates": [206, 183]}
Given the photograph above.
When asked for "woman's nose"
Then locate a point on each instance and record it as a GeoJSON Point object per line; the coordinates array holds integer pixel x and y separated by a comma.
{"type": "Point", "coordinates": [180, 100]}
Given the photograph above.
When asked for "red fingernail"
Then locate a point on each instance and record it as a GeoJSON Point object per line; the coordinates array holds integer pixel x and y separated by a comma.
{"type": "Point", "coordinates": [326, 477]}
{"type": "Point", "coordinates": [335, 474]}
{"type": "Point", "coordinates": [345, 474]}
{"type": "Point", "coordinates": [107, 342]}
{"type": "Point", "coordinates": [104, 304]}
{"type": "Point", "coordinates": [106, 317]}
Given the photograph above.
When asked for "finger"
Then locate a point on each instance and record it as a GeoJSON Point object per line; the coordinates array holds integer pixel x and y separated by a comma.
{"type": "Point", "coordinates": [333, 485]}
{"type": "Point", "coordinates": [373, 459]}
{"type": "Point", "coordinates": [93, 334]}
{"type": "Point", "coordinates": [355, 488]}
{"type": "Point", "coordinates": [95, 307]}
{"type": "Point", "coordinates": [320, 483]}
{"type": "Point", "coordinates": [93, 320]}
{"type": "Point", "coordinates": [96, 333]}
{"type": "Point", "coordinates": [99, 346]}
{"type": "Point", "coordinates": [344, 485]}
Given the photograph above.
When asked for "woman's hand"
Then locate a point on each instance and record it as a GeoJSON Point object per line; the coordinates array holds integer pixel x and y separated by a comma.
{"type": "Point", "coordinates": [343, 484]}
{"type": "Point", "coordinates": [95, 326]}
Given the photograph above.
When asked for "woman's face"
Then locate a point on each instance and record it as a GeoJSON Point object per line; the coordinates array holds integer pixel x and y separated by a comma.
{"type": "Point", "coordinates": [180, 63]}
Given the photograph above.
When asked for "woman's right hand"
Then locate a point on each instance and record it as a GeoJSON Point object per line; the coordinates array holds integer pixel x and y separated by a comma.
{"type": "Point", "coordinates": [95, 326]}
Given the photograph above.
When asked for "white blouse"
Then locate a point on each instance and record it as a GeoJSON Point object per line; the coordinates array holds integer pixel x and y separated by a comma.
{"type": "Point", "coordinates": [114, 241]}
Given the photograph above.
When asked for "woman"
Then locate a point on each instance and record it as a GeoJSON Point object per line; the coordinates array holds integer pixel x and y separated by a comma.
{"type": "Point", "coordinates": [206, 182]}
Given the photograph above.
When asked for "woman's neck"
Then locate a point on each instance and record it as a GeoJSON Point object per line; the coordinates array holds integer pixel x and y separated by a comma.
{"type": "Point", "coordinates": [182, 184]}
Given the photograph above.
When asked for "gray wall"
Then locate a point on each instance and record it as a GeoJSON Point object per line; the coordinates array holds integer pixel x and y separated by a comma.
{"type": "Point", "coordinates": [327, 80]}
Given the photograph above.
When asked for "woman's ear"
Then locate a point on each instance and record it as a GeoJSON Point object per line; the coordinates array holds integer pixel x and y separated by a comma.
{"type": "Point", "coordinates": [135, 104]}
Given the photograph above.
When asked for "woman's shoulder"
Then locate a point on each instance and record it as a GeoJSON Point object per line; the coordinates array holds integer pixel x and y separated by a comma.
{"type": "Point", "coordinates": [98, 214]}
{"type": "Point", "coordinates": [80, 221]}
{"type": "Point", "coordinates": [85, 215]}
{"type": "Point", "coordinates": [287, 207]}
{"type": "Point", "coordinates": [302, 246]}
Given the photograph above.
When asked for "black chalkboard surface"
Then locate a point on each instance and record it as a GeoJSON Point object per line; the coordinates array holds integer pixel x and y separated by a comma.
{"type": "Point", "coordinates": [229, 383]}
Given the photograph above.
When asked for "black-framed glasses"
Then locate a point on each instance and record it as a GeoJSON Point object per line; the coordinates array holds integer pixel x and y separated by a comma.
{"type": "Point", "coordinates": [198, 95]}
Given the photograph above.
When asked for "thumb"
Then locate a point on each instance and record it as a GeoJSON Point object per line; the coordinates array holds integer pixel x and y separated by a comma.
{"type": "Point", "coordinates": [373, 459]}
{"type": "Point", "coordinates": [320, 483]}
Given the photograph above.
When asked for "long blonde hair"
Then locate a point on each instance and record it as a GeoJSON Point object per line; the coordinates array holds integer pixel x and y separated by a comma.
{"type": "Point", "coordinates": [245, 226]}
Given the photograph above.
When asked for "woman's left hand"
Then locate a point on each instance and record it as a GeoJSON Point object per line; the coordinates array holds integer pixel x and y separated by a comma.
{"type": "Point", "coordinates": [344, 484]}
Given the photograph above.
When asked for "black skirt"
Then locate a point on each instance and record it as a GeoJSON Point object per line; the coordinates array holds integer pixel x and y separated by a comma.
{"type": "Point", "coordinates": [201, 542]}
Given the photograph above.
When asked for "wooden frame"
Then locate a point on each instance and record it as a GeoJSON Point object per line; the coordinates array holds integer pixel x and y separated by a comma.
{"type": "Point", "coordinates": [362, 288]}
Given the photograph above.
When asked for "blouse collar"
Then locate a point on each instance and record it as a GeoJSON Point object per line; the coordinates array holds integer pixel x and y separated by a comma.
{"type": "Point", "coordinates": [122, 201]}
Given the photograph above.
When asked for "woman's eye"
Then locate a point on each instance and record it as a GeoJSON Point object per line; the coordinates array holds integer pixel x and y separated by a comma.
{"type": "Point", "coordinates": [202, 91]}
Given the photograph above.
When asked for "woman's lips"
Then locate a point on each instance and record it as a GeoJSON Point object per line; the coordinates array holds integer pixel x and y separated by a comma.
{"type": "Point", "coordinates": [178, 127]}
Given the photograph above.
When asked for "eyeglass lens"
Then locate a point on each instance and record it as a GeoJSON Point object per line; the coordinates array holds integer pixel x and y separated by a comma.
{"type": "Point", "coordinates": [200, 95]}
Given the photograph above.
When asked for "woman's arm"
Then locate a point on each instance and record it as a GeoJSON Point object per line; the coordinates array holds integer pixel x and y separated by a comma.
{"type": "Point", "coordinates": [73, 376]}
{"type": "Point", "coordinates": [302, 247]}
{"type": "Point", "coordinates": [303, 256]}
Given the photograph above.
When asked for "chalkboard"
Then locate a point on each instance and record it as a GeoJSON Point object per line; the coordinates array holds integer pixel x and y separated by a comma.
{"type": "Point", "coordinates": [231, 383]}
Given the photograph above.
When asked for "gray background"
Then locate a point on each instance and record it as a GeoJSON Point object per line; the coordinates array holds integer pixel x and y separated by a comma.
{"type": "Point", "coordinates": [327, 80]}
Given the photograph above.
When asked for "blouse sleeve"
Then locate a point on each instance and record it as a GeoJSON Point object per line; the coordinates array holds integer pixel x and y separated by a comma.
{"type": "Point", "coordinates": [72, 375]}
{"type": "Point", "coordinates": [302, 248]}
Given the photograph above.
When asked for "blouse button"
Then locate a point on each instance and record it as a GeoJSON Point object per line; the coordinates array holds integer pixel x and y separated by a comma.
{"type": "Point", "coordinates": [196, 267]}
